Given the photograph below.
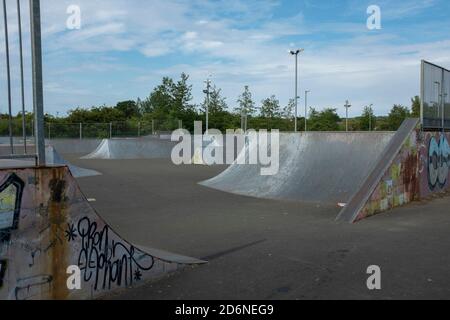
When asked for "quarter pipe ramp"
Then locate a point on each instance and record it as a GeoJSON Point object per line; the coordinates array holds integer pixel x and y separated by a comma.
{"type": "Point", "coordinates": [47, 225]}
{"type": "Point", "coordinates": [127, 149]}
{"type": "Point", "coordinates": [53, 158]}
{"type": "Point", "coordinates": [318, 167]}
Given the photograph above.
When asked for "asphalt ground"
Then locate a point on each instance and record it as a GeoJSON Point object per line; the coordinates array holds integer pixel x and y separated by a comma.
{"type": "Point", "coordinates": [265, 249]}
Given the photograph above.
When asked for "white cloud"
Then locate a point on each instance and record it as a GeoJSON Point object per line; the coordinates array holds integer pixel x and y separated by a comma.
{"type": "Point", "coordinates": [238, 42]}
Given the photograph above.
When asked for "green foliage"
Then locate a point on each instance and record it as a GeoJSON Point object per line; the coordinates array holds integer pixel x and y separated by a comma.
{"type": "Point", "coordinates": [415, 107]}
{"type": "Point", "coordinates": [326, 120]}
{"type": "Point", "coordinates": [270, 108]}
{"type": "Point", "coordinates": [246, 105]}
{"type": "Point", "coordinates": [289, 110]}
{"type": "Point", "coordinates": [170, 103]}
{"type": "Point", "coordinates": [396, 117]}
{"type": "Point", "coordinates": [129, 109]}
{"type": "Point", "coordinates": [101, 114]}
{"type": "Point", "coordinates": [367, 121]}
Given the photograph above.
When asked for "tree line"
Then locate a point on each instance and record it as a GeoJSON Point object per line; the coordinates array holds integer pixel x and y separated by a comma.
{"type": "Point", "coordinates": [171, 103]}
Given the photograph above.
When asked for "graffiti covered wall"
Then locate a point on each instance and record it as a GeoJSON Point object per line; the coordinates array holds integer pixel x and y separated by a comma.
{"type": "Point", "coordinates": [420, 170]}
{"type": "Point", "coordinates": [46, 225]}
{"type": "Point", "coordinates": [435, 162]}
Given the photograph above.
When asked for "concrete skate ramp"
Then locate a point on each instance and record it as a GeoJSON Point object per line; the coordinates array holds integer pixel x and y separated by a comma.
{"type": "Point", "coordinates": [64, 146]}
{"type": "Point", "coordinates": [123, 149]}
{"type": "Point", "coordinates": [53, 158]}
{"type": "Point", "coordinates": [318, 167]}
{"type": "Point", "coordinates": [74, 146]}
{"type": "Point", "coordinates": [47, 225]}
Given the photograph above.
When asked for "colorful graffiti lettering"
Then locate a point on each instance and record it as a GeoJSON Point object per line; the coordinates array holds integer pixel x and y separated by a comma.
{"type": "Point", "coordinates": [438, 162]}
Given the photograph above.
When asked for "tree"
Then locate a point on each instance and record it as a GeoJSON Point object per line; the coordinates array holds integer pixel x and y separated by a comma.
{"type": "Point", "coordinates": [217, 103]}
{"type": "Point", "coordinates": [270, 108]}
{"type": "Point", "coordinates": [326, 120]}
{"type": "Point", "coordinates": [415, 106]}
{"type": "Point", "coordinates": [129, 109]}
{"type": "Point", "coordinates": [246, 107]}
{"type": "Point", "coordinates": [219, 117]}
{"type": "Point", "coordinates": [161, 97]}
{"type": "Point", "coordinates": [288, 110]}
{"type": "Point", "coordinates": [396, 117]}
{"type": "Point", "coordinates": [182, 95]}
{"type": "Point", "coordinates": [170, 102]}
{"type": "Point", "coordinates": [368, 119]}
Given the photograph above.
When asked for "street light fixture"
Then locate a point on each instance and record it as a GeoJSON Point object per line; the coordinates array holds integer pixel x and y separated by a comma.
{"type": "Point", "coordinates": [370, 116]}
{"type": "Point", "coordinates": [296, 53]}
{"type": "Point", "coordinates": [346, 106]}
{"type": "Point", "coordinates": [207, 91]}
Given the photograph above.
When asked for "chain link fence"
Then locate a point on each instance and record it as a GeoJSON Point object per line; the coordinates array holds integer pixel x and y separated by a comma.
{"type": "Point", "coordinates": [64, 130]}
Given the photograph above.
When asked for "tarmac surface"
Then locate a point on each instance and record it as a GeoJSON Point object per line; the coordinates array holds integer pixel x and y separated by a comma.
{"type": "Point", "coordinates": [267, 249]}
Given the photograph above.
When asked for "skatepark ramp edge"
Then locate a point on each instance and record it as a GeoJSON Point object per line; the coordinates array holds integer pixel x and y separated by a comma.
{"type": "Point", "coordinates": [352, 209]}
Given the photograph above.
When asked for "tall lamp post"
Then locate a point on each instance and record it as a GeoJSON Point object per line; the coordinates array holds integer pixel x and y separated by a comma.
{"type": "Point", "coordinates": [296, 53]}
{"type": "Point", "coordinates": [306, 109]}
{"type": "Point", "coordinates": [347, 106]}
{"type": "Point", "coordinates": [207, 91]}
{"type": "Point", "coordinates": [370, 116]}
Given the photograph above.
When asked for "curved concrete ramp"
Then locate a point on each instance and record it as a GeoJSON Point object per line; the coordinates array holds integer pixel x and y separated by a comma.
{"type": "Point", "coordinates": [53, 158]}
{"type": "Point", "coordinates": [319, 167]}
{"type": "Point", "coordinates": [74, 146]}
{"type": "Point", "coordinates": [47, 225]}
{"type": "Point", "coordinates": [123, 149]}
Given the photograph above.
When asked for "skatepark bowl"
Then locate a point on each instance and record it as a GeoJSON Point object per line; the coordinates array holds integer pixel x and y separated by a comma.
{"type": "Point", "coordinates": [249, 236]}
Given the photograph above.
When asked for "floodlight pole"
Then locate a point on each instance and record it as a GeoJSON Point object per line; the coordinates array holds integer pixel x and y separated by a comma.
{"type": "Point", "coordinates": [22, 85]}
{"type": "Point", "coordinates": [207, 92]}
{"type": "Point", "coordinates": [347, 106]}
{"type": "Point", "coordinates": [38, 91]}
{"type": "Point", "coordinates": [8, 76]}
{"type": "Point", "coordinates": [296, 53]}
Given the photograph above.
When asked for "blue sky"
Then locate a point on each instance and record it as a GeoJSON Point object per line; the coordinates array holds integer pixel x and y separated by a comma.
{"type": "Point", "coordinates": [125, 47]}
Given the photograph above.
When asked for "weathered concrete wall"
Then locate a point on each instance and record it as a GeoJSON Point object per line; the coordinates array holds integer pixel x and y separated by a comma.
{"type": "Point", "coordinates": [46, 225]}
{"type": "Point", "coordinates": [419, 170]}
{"type": "Point", "coordinates": [400, 183]}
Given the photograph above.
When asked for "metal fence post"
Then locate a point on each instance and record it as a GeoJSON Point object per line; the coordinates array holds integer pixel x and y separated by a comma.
{"type": "Point", "coordinates": [22, 85]}
{"type": "Point", "coordinates": [110, 130]}
{"type": "Point", "coordinates": [81, 131]}
{"type": "Point", "coordinates": [38, 94]}
{"type": "Point", "coordinates": [153, 127]}
{"type": "Point", "coordinates": [139, 129]}
{"type": "Point", "coordinates": [8, 76]}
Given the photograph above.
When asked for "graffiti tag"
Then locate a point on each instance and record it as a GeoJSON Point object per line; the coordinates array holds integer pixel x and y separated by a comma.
{"type": "Point", "coordinates": [105, 261]}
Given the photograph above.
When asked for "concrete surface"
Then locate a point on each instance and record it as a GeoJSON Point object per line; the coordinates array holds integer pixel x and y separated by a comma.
{"type": "Point", "coordinates": [268, 249]}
